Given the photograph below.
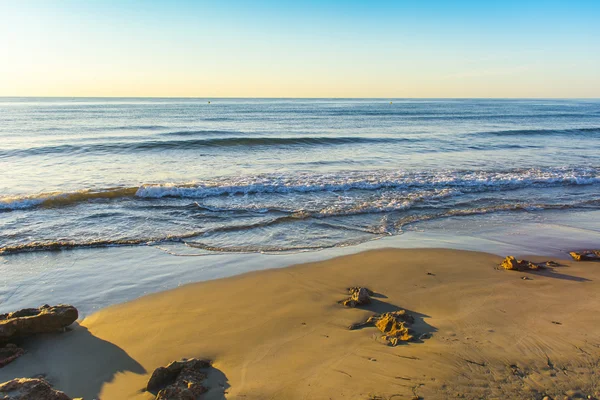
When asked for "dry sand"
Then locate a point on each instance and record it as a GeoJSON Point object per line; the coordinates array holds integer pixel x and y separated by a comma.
{"type": "Point", "coordinates": [280, 334]}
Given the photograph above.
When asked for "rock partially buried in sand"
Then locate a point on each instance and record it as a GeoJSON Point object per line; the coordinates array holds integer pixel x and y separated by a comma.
{"type": "Point", "coordinates": [511, 263]}
{"type": "Point", "coordinates": [180, 380]}
{"type": "Point", "coordinates": [31, 321]}
{"type": "Point", "coordinates": [358, 296]}
{"type": "Point", "coordinates": [393, 325]}
{"type": "Point", "coordinates": [30, 389]}
{"type": "Point", "coordinates": [589, 255]}
{"type": "Point", "coordinates": [10, 353]}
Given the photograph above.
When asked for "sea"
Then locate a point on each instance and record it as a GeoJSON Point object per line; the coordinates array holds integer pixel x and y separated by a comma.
{"type": "Point", "coordinates": [278, 176]}
{"type": "Point", "coordinates": [103, 200]}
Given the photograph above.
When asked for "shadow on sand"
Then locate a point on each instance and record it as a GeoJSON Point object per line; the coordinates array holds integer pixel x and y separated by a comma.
{"type": "Point", "coordinates": [551, 272]}
{"type": "Point", "coordinates": [217, 384]}
{"type": "Point", "coordinates": [76, 362]}
{"type": "Point", "coordinates": [419, 327]}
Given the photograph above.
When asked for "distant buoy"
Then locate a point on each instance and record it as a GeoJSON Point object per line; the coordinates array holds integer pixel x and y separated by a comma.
{"type": "Point", "coordinates": [209, 102]}
{"type": "Point", "coordinates": [390, 102]}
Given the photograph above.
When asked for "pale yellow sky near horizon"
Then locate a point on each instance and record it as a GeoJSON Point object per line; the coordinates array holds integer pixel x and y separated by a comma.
{"type": "Point", "coordinates": [79, 50]}
{"type": "Point", "coordinates": [92, 80]}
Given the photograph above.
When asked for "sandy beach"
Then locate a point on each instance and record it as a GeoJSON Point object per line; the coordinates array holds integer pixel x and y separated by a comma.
{"type": "Point", "coordinates": [280, 334]}
{"type": "Point", "coordinates": [322, 200]}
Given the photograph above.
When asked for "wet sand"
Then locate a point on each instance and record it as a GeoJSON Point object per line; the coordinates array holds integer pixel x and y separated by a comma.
{"type": "Point", "coordinates": [281, 334]}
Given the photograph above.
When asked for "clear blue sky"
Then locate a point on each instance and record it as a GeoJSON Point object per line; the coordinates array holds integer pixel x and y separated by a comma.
{"type": "Point", "coordinates": [300, 49]}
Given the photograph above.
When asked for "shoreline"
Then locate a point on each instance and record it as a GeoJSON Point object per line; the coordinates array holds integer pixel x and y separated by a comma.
{"type": "Point", "coordinates": [280, 333]}
{"type": "Point", "coordinates": [93, 279]}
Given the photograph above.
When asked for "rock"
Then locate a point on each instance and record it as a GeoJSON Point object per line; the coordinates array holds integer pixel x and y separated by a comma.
{"type": "Point", "coordinates": [180, 380]}
{"type": "Point", "coordinates": [30, 389]}
{"type": "Point", "coordinates": [10, 353]}
{"type": "Point", "coordinates": [575, 394]}
{"type": "Point", "coordinates": [588, 255]}
{"type": "Point", "coordinates": [511, 263]}
{"type": "Point", "coordinates": [393, 325]}
{"type": "Point", "coordinates": [31, 321]}
{"type": "Point", "coordinates": [358, 296]}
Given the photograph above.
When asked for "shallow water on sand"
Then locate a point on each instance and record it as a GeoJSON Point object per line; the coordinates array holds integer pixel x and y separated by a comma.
{"type": "Point", "coordinates": [96, 278]}
{"type": "Point", "coordinates": [247, 175]}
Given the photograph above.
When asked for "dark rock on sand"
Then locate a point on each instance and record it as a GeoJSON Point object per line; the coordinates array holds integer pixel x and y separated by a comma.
{"type": "Point", "coordinates": [589, 255]}
{"type": "Point", "coordinates": [30, 389]}
{"type": "Point", "coordinates": [358, 296]}
{"type": "Point", "coordinates": [394, 326]}
{"type": "Point", "coordinates": [180, 380]}
{"type": "Point", "coordinates": [511, 263]}
{"type": "Point", "coordinates": [31, 321]}
{"type": "Point", "coordinates": [10, 353]}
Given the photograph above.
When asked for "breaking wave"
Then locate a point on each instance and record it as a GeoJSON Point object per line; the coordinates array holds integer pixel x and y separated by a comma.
{"type": "Point", "coordinates": [56, 199]}
{"type": "Point", "coordinates": [468, 181]}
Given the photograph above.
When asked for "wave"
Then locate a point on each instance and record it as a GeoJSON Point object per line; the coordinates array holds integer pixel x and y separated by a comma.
{"type": "Point", "coordinates": [55, 199]}
{"type": "Point", "coordinates": [123, 147]}
{"type": "Point", "coordinates": [413, 219]}
{"type": "Point", "coordinates": [201, 132]}
{"type": "Point", "coordinates": [189, 142]}
{"type": "Point", "coordinates": [487, 117]}
{"type": "Point", "coordinates": [130, 128]}
{"type": "Point", "coordinates": [265, 248]}
{"type": "Point", "coordinates": [464, 181]}
{"type": "Point", "coordinates": [539, 132]}
{"type": "Point", "coordinates": [374, 234]}
{"type": "Point", "coordinates": [470, 180]}
{"type": "Point", "coordinates": [57, 245]}
{"type": "Point", "coordinates": [67, 245]}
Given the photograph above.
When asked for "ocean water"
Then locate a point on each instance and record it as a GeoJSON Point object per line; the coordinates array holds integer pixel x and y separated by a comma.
{"type": "Point", "coordinates": [285, 175]}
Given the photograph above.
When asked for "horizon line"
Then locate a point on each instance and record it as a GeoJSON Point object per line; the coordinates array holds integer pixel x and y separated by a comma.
{"type": "Point", "coordinates": [300, 97]}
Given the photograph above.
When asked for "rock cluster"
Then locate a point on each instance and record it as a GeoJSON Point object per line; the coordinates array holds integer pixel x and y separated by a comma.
{"type": "Point", "coordinates": [180, 380]}
{"type": "Point", "coordinates": [588, 255]}
{"type": "Point", "coordinates": [511, 263]}
{"type": "Point", "coordinates": [358, 296]}
{"type": "Point", "coordinates": [30, 389]}
{"type": "Point", "coordinates": [394, 326]}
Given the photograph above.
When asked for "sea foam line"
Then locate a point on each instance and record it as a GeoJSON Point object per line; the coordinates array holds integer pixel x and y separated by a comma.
{"type": "Point", "coordinates": [307, 183]}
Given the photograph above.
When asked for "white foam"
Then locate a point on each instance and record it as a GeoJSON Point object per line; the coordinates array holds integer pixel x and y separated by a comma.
{"type": "Point", "coordinates": [304, 183]}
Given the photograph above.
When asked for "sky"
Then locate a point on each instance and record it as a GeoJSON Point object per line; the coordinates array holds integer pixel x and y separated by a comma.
{"type": "Point", "coordinates": [259, 48]}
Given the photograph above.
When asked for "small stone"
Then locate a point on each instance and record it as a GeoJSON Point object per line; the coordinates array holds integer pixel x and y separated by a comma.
{"type": "Point", "coordinates": [575, 394]}
{"type": "Point", "coordinates": [511, 263]}
{"type": "Point", "coordinates": [180, 380]}
{"type": "Point", "coordinates": [393, 325]}
{"type": "Point", "coordinates": [587, 255]}
{"type": "Point", "coordinates": [358, 296]}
